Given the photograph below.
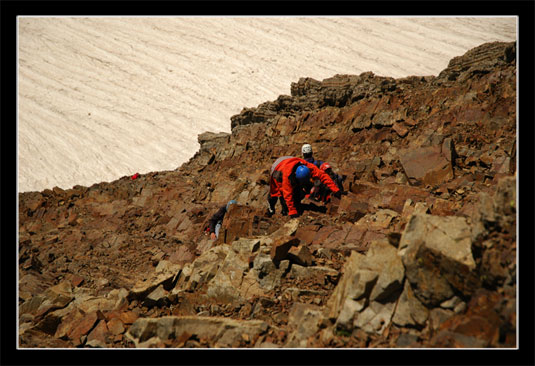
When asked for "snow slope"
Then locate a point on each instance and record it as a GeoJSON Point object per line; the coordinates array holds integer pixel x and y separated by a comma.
{"type": "Point", "coordinates": [104, 97]}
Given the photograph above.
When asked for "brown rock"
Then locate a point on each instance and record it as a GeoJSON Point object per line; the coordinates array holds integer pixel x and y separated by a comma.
{"type": "Point", "coordinates": [182, 255]}
{"type": "Point", "coordinates": [301, 255]}
{"type": "Point", "coordinates": [68, 324]}
{"type": "Point", "coordinates": [426, 165]}
{"type": "Point", "coordinates": [99, 336]}
{"type": "Point", "coordinates": [237, 224]}
{"type": "Point", "coordinates": [400, 129]}
{"type": "Point", "coordinates": [351, 208]}
{"type": "Point", "coordinates": [321, 236]}
{"type": "Point", "coordinates": [281, 246]}
{"type": "Point", "coordinates": [128, 317]}
{"type": "Point", "coordinates": [83, 326]}
{"type": "Point", "coordinates": [307, 233]}
{"type": "Point", "coordinates": [76, 280]}
{"type": "Point", "coordinates": [115, 326]}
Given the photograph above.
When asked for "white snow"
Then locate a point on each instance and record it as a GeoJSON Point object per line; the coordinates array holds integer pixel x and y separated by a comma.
{"type": "Point", "coordinates": [104, 97]}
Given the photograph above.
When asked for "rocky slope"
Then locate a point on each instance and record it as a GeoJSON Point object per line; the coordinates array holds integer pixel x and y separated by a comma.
{"type": "Point", "coordinates": [419, 252]}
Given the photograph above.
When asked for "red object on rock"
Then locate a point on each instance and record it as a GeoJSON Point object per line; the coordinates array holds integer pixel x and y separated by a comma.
{"type": "Point", "coordinates": [135, 176]}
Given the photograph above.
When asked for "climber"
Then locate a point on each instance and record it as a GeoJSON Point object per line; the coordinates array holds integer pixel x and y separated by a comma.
{"type": "Point", "coordinates": [290, 181]}
{"type": "Point", "coordinates": [320, 192]}
{"type": "Point", "coordinates": [306, 150]}
{"type": "Point", "coordinates": [217, 219]}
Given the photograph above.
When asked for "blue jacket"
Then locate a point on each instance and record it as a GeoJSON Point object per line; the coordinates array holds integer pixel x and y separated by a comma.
{"type": "Point", "coordinates": [315, 162]}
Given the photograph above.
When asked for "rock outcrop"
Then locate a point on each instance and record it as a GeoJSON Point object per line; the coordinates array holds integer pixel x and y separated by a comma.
{"type": "Point", "coordinates": [420, 251]}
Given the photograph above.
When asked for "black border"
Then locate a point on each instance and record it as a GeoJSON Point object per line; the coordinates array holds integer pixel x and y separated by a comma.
{"type": "Point", "coordinates": [525, 10]}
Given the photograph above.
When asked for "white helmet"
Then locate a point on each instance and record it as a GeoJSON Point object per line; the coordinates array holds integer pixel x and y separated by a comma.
{"type": "Point", "coordinates": [306, 149]}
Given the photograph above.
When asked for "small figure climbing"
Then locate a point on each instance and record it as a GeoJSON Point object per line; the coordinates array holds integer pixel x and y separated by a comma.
{"type": "Point", "coordinates": [214, 224]}
{"type": "Point", "coordinates": [290, 181]}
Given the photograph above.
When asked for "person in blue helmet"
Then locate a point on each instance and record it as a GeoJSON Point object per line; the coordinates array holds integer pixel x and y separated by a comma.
{"type": "Point", "coordinates": [290, 182]}
{"type": "Point", "coordinates": [217, 219]}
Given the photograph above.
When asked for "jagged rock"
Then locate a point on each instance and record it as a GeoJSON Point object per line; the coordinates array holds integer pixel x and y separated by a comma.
{"type": "Point", "coordinates": [301, 255]}
{"type": "Point", "coordinates": [375, 318]}
{"type": "Point", "coordinates": [50, 321]}
{"type": "Point", "coordinates": [455, 304]}
{"type": "Point", "coordinates": [412, 208]}
{"type": "Point", "coordinates": [351, 208]}
{"type": "Point", "coordinates": [498, 210]}
{"type": "Point", "coordinates": [376, 277]}
{"type": "Point", "coordinates": [480, 320]}
{"type": "Point", "coordinates": [288, 229]}
{"type": "Point", "coordinates": [437, 255]}
{"type": "Point", "coordinates": [208, 140]}
{"type": "Point", "coordinates": [409, 310]}
{"type": "Point", "coordinates": [239, 223]}
{"type": "Point", "coordinates": [400, 129]}
{"type": "Point", "coordinates": [318, 273]}
{"type": "Point", "coordinates": [99, 336]}
{"type": "Point", "coordinates": [267, 273]}
{"type": "Point", "coordinates": [281, 246]}
{"type": "Point", "coordinates": [221, 332]}
{"type": "Point", "coordinates": [295, 293]}
{"type": "Point", "coordinates": [31, 305]}
{"type": "Point", "coordinates": [371, 227]}
{"type": "Point", "coordinates": [304, 319]}
{"type": "Point", "coordinates": [115, 326]}
{"type": "Point", "coordinates": [406, 340]}
{"type": "Point", "coordinates": [158, 297]}
{"type": "Point", "coordinates": [83, 325]}
{"type": "Point", "coordinates": [113, 300]}
{"type": "Point", "coordinates": [184, 254]}
{"type": "Point", "coordinates": [229, 284]}
{"type": "Point", "coordinates": [427, 165]}
{"type": "Point", "coordinates": [194, 275]}
{"type": "Point", "coordinates": [60, 295]}
{"type": "Point", "coordinates": [164, 274]}
{"type": "Point", "coordinates": [481, 59]}
{"type": "Point", "coordinates": [42, 307]}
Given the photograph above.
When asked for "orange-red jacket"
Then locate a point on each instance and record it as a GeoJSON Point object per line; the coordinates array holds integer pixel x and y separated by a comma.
{"type": "Point", "coordinates": [285, 187]}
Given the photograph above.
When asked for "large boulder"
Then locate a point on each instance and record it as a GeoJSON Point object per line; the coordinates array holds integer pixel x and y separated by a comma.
{"type": "Point", "coordinates": [437, 255]}
{"type": "Point", "coordinates": [228, 284]}
{"type": "Point", "coordinates": [219, 332]}
{"type": "Point", "coordinates": [366, 293]}
{"type": "Point", "coordinates": [198, 273]}
{"type": "Point", "coordinates": [165, 273]}
{"type": "Point", "coordinates": [240, 222]}
{"type": "Point", "coordinates": [409, 311]}
{"type": "Point", "coordinates": [305, 320]}
{"type": "Point", "coordinates": [428, 165]}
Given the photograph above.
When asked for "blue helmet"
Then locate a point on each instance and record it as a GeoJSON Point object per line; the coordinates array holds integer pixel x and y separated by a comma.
{"type": "Point", "coordinates": [302, 173]}
{"type": "Point", "coordinates": [231, 202]}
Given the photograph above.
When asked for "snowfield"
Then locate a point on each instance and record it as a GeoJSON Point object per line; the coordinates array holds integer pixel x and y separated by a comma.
{"type": "Point", "coordinates": [104, 97]}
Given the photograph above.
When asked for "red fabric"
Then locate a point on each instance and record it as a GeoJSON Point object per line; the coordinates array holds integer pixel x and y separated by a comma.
{"type": "Point", "coordinates": [325, 166]}
{"type": "Point", "coordinates": [135, 176]}
{"type": "Point", "coordinates": [285, 188]}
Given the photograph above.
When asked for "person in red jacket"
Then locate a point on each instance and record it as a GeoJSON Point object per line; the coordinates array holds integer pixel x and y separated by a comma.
{"type": "Point", "coordinates": [290, 181]}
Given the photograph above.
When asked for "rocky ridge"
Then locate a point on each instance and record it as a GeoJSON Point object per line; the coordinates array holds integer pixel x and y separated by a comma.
{"type": "Point", "coordinates": [419, 252]}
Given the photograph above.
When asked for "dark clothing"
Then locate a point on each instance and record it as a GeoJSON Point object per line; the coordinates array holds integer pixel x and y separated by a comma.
{"type": "Point", "coordinates": [323, 192]}
{"type": "Point", "coordinates": [217, 218]}
{"type": "Point", "coordinates": [313, 161]}
{"type": "Point", "coordinates": [337, 179]}
{"type": "Point", "coordinates": [273, 201]}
